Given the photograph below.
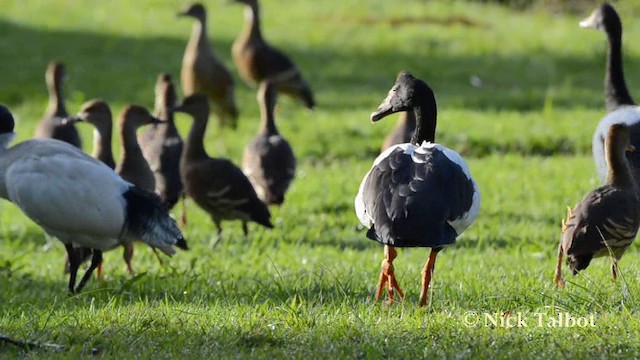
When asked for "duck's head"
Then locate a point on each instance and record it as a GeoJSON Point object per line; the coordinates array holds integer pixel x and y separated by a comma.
{"type": "Point", "coordinates": [195, 10]}
{"type": "Point", "coordinates": [407, 93]}
{"type": "Point", "coordinates": [196, 105]}
{"type": "Point", "coordinates": [55, 73]}
{"type": "Point", "coordinates": [6, 120]}
{"type": "Point", "coordinates": [95, 112]}
{"type": "Point", "coordinates": [135, 116]}
{"type": "Point", "coordinates": [165, 92]}
{"type": "Point", "coordinates": [604, 17]}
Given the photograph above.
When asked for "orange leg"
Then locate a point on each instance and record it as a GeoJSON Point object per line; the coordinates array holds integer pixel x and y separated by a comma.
{"type": "Point", "coordinates": [558, 278]}
{"type": "Point", "coordinates": [427, 273]}
{"type": "Point", "coordinates": [614, 269]}
{"type": "Point", "coordinates": [387, 276]}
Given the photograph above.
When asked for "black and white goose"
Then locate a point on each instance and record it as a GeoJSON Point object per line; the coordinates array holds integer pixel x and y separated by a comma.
{"type": "Point", "coordinates": [621, 109]}
{"type": "Point", "coordinates": [418, 194]}
{"type": "Point", "coordinates": [606, 221]}
{"type": "Point", "coordinates": [79, 200]}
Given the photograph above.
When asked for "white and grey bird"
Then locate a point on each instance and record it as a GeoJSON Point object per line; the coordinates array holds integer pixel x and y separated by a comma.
{"type": "Point", "coordinates": [620, 106]}
{"type": "Point", "coordinates": [417, 194]}
{"type": "Point", "coordinates": [80, 200]}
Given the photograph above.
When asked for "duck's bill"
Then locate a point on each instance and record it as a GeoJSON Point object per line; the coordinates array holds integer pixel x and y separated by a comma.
{"type": "Point", "coordinates": [589, 23]}
{"type": "Point", "coordinates": [383, 110]}
{"type": "Point", "coordinates": [70, 120]}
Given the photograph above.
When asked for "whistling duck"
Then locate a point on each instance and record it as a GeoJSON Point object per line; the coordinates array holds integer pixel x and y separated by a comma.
{"type": "Point", "coordinates": [268, 161]}
{"type": "Point", "coordinates": [97, 113]}
{"type": "Point", "coordinates": [51, 126]}
{"type": "Point", "coordinates": [606, 221]}
{"type": "Point", "coordinates": [257, 61]}
{"type": "Point", "coordinates": [215, 184]}
{"type": "Point", "coordinates": [79, 200]}
{"type": "Point", "coordinates": [418, 194]}
{"type": "Point", "coordinates": [403, 131]}
{"type": "Point", "coordinates": [133, 167]}
{"type": "Point", "coordinates": [162, 145]}
{"type": "Point", "coordinates": [203, 72]}
{"type": "Point", "coordinates": [620, 106]}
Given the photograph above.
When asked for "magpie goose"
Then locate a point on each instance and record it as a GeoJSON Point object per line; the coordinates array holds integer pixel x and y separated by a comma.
{"type": "Point", "coordinates": [418, 194]}
{"type": "Point", "coordinates": [621, 109]}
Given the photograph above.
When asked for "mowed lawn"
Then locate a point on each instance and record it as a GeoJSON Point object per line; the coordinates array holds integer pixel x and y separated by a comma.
{"type": "Point", "coordinates": [519, 95]}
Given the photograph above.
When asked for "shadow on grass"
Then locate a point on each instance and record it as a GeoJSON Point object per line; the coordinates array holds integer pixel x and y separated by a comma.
{"type": "Point", "coordinates": [124, 69]}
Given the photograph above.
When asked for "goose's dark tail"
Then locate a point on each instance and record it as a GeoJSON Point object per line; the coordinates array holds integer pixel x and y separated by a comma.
{"type": "Point", "coordinates": [147, 219]}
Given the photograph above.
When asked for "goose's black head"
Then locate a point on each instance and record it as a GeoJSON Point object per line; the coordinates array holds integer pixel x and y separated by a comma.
{"type": "Point", "coordinates": [6, 120]}
{"type": "Point", "coordinates": [604, 17]}
{"type": "Point", "coordinates": [195, 10]}
{"type": "Point", "coordinates": [407, 93]}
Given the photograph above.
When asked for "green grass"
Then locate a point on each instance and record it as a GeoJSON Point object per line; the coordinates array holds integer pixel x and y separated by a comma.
{"type": "Point", "coordinates": [305, 289]}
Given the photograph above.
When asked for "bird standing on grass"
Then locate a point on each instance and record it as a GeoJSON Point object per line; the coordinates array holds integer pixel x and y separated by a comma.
{"type": "Point", "coordinates": [268, 161]}
{"type": "Point", "coordinates": [162, 145]}
{"type": "Point", "coordinates": [79, 200]}
{"type": "Point", "coordinates": [203, 72]}
{"type": "Point", "coordinates": [621, 109]}
{"type": "Point", "coordinates": [51, 126]}
{"type": "Point", "coordinates": [216, 184]}
{"type": "Point", "coordinates": [606, 221]}
{"type": "Point", "coordinates": [418, 194]}
{"type": "Point", "coordinates": [256, 60]}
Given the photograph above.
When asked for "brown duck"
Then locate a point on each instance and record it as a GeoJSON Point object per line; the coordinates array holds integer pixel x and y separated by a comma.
{"type": "Point", "coordinates": [403, 131]}
{"type": "Point", "coordinates": [268, 161]}
{"type": "Point", "coordinates": [162, 145]}
{"type": "Point", "coordinates": [606, 221]}
{"type": "Point", "coordinates": [51, 126]}
{"type": "Point", "coordinates": [97, 113]}
{"type": "Point", "coordinates": [216, 184]}
{"type": "Point", "coordinates": [257, 61]}
{"type": "Point", "coordinates": [133, 167]}
{"type": "Point", "coordinates": [203, 72]}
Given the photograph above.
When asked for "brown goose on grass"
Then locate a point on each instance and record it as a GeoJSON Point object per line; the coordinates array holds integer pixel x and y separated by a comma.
{"type": "Point", "coordinates": [203, 72]}
{"type": "Point", "coordinates": [256, 60]}
{"type": "Point", "coordinates": [605, 222]}
{"type": "Point", "coordinates": [51, 125]}
{"type": "Point", "coordinates": [162, 145]}
{"type": "Point", "coordinates": [403, 131]}
{"type": "Point", "coordinates": [268, 161]}
{"type": "Point", "coordinates": [216, 184]}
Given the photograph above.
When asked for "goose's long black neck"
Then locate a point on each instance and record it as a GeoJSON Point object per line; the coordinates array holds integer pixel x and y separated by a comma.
{"type": "Point", "coordinates": [426, 120]}
{"type": "Point", "coordinates": [615, 88]}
